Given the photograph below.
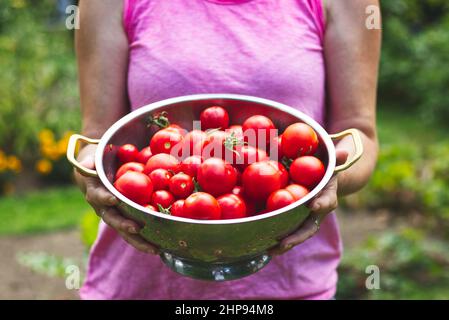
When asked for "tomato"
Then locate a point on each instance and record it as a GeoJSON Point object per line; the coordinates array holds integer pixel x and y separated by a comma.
{"type": "Point", "coordinates": [160, 179]}
{"type": "Point", "coordinates": [181, 185]}
{"type": "Point", "coordinates": [307, 171]}
{"type": "Point", "coordinates": [177, 208]}
{"type": "Point", "coordinates": [162, 198]}
{"type": "Point", "coordinates": [136, 186]}
{"type": "Point", "coordinates": [258, 130]}
{"type": "Point", "coordinates": [144, 155]}
{"type": "Point", "coordinates": [161, 161]}
{"type": "Point", "coordinates": [284, 173]}
{"type": "Point", "coordinates": [232, 206]}
{"type": "Point", "coordinates": [190, 165]}
{"type": "Point", "coordinates": [276, 148]}
{"type": "Point", "coordinates": [164, 140]}
{"type": "Point", "coordinates": [203, 206]}
{"type": "Point", "coordinates": [214, 146]}
{"type": "Point", "coordinates": [279, 199]}
{"type": "Point", "coordinates": [260, 179]}
{"type": "Point", "coordinates": [149, 206]}
{"type": "Point", "coordinates": [214, 118]}
{"type": "Point", "coordinates": [177, 128]}
{"type": "Point", "coordinates": [297, 191]}
{"type": "Point", "coordinates": [216, 177]}
{"type": "Point", "coordinates": [237, 130]}
{"type": "Point", "coordinates": [127, 153]}
{"type": "Point", "coordinates": [245, 155]}
{"type": "Point", "coordinates": [299, 139]}
{"type": "Point", "coordinates": [193, 143]}
{"type": "Point", "coordinates": [129, 166]}
{"type": "Point", "coordinates": [251, 206]}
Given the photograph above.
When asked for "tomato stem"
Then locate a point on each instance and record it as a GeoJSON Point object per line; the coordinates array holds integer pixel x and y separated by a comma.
{"type": "Point", "coordinates": [164, 210]}
{"type": "Point", "coordinates": [286, 162]}
{"type": "Point", "coordinates": [159, 120]}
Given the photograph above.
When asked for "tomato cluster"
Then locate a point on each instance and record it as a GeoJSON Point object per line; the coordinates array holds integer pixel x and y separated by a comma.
{"type": "Point", "coordinates": [223, 171]}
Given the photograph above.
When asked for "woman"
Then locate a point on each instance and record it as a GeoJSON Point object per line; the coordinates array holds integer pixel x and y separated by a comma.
{"type": "Point", "coordinates": [313, 55]}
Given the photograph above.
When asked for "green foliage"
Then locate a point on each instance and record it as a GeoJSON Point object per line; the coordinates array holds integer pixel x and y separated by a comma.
{"type": "Point", "coordinates": [89, 228]}
{"type": "Point", "coordinates": [414, 73]}
{"type": "Point", "coordinates": [44, 263]}
{"type": "Point", "coordinates": [411, 266]}
{"type": "Point", "coordinates": [41, 211]}
{"type": "Point", "coordinates": [38, 82]}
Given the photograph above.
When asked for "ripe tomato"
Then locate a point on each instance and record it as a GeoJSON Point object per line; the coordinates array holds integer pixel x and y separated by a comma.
{"type": "Point", "coordinates": [232, 206]}
{"type": "Point", "coordinates": [181, 185]}
{"type": "Point", "coordinates": [214, 146]}
{"type": "Point", "coordinates": [161, 161]}
{"type": "Point", "coordinates": [299, 139]}
{"type": "Point", "coordinates": [203, 206]}
{"type": "Point", "coordinates": [307, 171]}
{"type": "Point", "coordinates": [237, 130]}
{"type": "Point", "coordinates": [127, 153]}
{"type": "Point", "coordinates": [144, 155]}
{"type": "Point", "coordinates": [129, 166]}
{"type": "Point", "coordinates": [160, 179]}
{"type": "Point", "coordinates": [136, 186]}
{"type": "Point", "coordinates": [177, 208]}
{"type": "Point", "coordinates": [164, 140]}
{"type": "Point", "coordinates": [260, 179]}
{"type": "Point", "coordinates": [251, 205]}
{"type": "Point", "coordinates": [216, 177]}
{"type": "Point", "coordinates": [193, 143]}
{"type": "Point", "coordinates": [258, 130]}
{"type": "Point", "coordinates": [214, 118]}
{"type": "Point", "coordinates": [177, 128]}
{"type": "Point", "coordinates": [245, 155]}
{"type": "Point", "coordinates": [149, 206]}
{"type": "Point", "coordinates": [279, 199]}
{"type": "Point", "coordinates": [297, 191]}
{"type": "Point", "coordinates": [190, 165]}
{"type": "Point", "coordinates": [284, 173]}
{"type": "Point", "coordinates": [163, 198]}
{"type": "Point", "coordinates": [276, 148]}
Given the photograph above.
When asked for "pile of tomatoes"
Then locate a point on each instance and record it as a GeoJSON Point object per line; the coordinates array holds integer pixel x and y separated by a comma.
{"type": "Point", "coordinates": [220, 171]}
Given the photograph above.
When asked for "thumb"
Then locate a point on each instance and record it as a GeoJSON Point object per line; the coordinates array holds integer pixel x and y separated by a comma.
{"type": "Point", "coordinates": [341, 156]}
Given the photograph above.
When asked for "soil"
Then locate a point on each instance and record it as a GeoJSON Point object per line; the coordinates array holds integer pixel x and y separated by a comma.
{"type": "Point", "coordinates": [19, 282]}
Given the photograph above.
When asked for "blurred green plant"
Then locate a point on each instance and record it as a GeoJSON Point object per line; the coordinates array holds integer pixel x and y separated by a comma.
{"type": "Point", "coordinates": [44, 263]}
{"type": "Point", "coordinates": [89, 228]}
{"type": "Point", "coordinates": [411, 266]}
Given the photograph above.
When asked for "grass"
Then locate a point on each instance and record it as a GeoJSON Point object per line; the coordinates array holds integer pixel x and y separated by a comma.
{"type": "Point", "coordinates": [41, 211]}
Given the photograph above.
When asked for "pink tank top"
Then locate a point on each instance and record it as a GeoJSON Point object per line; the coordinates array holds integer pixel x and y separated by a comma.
{"type": "Point", "coordinates": [267, 48]}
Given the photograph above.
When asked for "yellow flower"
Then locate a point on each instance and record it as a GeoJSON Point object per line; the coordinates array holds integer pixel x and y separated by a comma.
{"type": "Point", "coordinates": [50, 151]}
{"type": "Point", "coordinates": [62, 147]}
{"type": "Point", "coordinates": [46, 136]}
{"type": "Point", "coordinates": [14, 164]}
{"type": "Point", "coordinates": [44, 166]}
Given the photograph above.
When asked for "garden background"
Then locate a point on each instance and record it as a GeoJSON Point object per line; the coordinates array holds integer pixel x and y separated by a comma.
{"type": "Point", "coordinates": [399, 222]}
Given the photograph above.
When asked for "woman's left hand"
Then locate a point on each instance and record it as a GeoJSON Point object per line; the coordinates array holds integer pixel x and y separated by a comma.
{"type": "Point", "coordinates": [324, 203]}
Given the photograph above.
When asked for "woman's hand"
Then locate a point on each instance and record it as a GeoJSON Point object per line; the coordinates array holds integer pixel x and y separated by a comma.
{"type": "Point", "coordinates": [324, 203]}
{"type": "Point", "coordinates": [104, 204]}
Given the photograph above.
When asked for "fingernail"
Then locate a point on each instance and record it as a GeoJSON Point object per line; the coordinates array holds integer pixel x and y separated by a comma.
{"type": "Point", "coordinates": [287, 247]}
{"type": "Point", "coordinates": [132, 230]}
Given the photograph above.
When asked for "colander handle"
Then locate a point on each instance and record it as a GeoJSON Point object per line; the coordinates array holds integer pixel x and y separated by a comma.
{"type": "Point", "coordinates": [358, 145]}
{"type": "Point", "coordinates": [71, 150]}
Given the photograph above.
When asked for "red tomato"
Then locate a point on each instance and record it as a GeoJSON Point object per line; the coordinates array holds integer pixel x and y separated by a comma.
{"type": "Point", "coordinates": [193, 143]}
{"type": "Point", "coordinates": [214, 118]}
{"type": "Point", "coordinates": [258, 130]}
{"type": "Point", "coordinates": [161, 161]}
{"type": "Point", "coordinates": [260, 179]}
{"type": "Point", "coordinates": [144, 155]}
{"type": "Point", "coordinates": [136, 186]}
{"type": "Point", "coordinates": [235, 130]}
{"type": "Point", "coordinates": [214, 146]}
{"type": "Point", "coordinates": [190, 165]}
{"type": "Point", "coordinates": [129, 166]}
{"type": "Point", "coordinates": [216, 177]}
{"type": "Point", "coordinates": [181, 185]}
{"type": "Point", "coordinates": [251, 206]}
{"type": "Point", "coordinates": [232, 206]}
{"type": "Point", "coordinates": [276, 148]}
{"type": "Point", "coordinates": [279, 199]}
{"type": "Point", "coordinates": [284, 173]}
{"type": "Point", "coordinates": [127, 153]}
{"type": "Point", "coordinates": [299, 139]}
{"type": "Point", "coordinates": [307, 171]}
{"type": "Point", "coordinates": [164, 140]}
{"type": "Point", "coordinates": [177, 208]}
{"type": "Point", "coordinates": [203, 206]}
{"type": "Point", "coordinates": [177, 128]}
{"type": "Point", "coordinates": [245, 155]}
{"type": "Point", "coordinates": [163, 198]}
{"type": "Point", "coordinates": [160, 179]}
{"type": "Point", "coordinates": [149, 206]}
{"type": "Point", "coordinates": [297, 191]}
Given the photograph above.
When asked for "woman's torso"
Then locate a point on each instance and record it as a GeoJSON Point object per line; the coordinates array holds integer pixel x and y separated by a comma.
{"type": "Point", "coordinates": [267, 48]}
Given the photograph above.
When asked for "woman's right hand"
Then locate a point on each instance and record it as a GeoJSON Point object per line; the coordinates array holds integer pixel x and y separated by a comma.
{"type": "Point", "coordinates": [104, 204]}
